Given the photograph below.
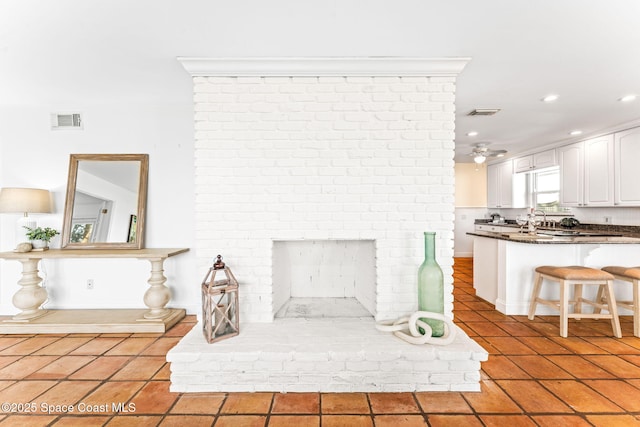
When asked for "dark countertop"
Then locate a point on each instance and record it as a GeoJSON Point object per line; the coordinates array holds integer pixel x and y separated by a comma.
{"type": "Point", "coordinates": [542, 239]}
{"type": "Point", "coordinates": [624, 230]}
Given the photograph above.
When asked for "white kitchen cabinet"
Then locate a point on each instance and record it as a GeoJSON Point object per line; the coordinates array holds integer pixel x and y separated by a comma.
{"type": "Point", "coordinates": [485, 268]}
{"type": "Point", "coordinates": [543, 159]}
{"type": "Point", "coordinates": [523, 164]}
{"type": "Point", "coordinates": [570, 159]}
{"type": "Point", "coordinates": [495, 228]}
{"type": "Point", "coordinates": [627, 168]}
{"type": "Point", "coordinates": [500, 185]}
{"type": "Point", "coordinates": [586, 172]}
{"type": "Point", "coordinates": [598, 171]}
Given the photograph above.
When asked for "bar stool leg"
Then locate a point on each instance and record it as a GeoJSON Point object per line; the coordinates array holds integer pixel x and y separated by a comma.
{"type": "Point", "coordinates": [613, 309]}
{"type": "Point", "coordinates": [636, 308]}
{"type": "Point", "coordinates": [600, 298]}
{"type": "Point", "coordinates": [577, 298]}
{"type": "Point", "coordinates": [564, 308]}
{"type": "Point", "coordinates": [537, 284]}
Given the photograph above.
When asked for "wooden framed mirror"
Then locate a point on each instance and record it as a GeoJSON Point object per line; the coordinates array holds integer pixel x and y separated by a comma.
{"type": "Point", "coordinates": [106, 199]}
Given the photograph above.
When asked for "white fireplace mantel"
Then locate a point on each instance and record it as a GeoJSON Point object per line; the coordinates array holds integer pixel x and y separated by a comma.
{"type": "Point", "coordinates": [324, 66]}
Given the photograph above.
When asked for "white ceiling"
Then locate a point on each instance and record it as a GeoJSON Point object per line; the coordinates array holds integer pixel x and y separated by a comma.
{"type": "Point", "coordinates": [68, 53]}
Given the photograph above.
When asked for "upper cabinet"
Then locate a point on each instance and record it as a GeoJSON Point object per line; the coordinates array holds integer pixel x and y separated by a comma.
{"type": "Point", "coordinates": [523, 164]}
{"type": "Point", "coordinates": [598, 171]}
{"type": "Point", "coordinates": [570, 158]}
{"type": "Point", "coordinates": [535, 161]}
{"type": "Point", "coordinates": [500, 185]}
{"type": "Point", "coordinates": [586, 172]}
{"type": "Point", "coordinates": [602, 171]}
{"type": "Point", "coordinates": [627, 169]}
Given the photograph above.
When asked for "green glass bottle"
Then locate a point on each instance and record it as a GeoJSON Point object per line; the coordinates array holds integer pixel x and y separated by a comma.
{"type": "Point", "coordinates": [431, 285]}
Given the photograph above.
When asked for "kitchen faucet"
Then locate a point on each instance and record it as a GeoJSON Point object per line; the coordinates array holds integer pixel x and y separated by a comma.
{"type": "Point", "coordinates": [531, 220]}
{"type": "Point", "coordinates": [544, 215]}
{"type": "Point", "coordinates": [545, 223]}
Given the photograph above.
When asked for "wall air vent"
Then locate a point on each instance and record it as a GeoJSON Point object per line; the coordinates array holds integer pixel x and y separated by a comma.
{"type": "Point", "coordinates": [484, 112]}
{"type": "Point", "coordinates": [66, 121]}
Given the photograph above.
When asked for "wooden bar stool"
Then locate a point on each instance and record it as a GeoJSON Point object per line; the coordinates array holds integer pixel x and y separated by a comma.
{"type": "Point", "coordinates": [576, 276]}
{"type": "Point", "coordinates": [631, 275]}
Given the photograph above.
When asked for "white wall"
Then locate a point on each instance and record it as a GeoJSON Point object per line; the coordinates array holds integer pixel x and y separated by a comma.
{"type": "Point", "coordinates": [619, 216]}
{"type": "Point", "coordinates": [464, 223]}
{"type": "Point", "coordinates": [345, 158]}
{"type": "Point", "coordinates": [115, 62]}
{"type": "Point", "coordinates": [471, 203]}
{"type": "Point", "coordinates": [471, 185]}
{"type": "Point", "coordinates": [35, 156]}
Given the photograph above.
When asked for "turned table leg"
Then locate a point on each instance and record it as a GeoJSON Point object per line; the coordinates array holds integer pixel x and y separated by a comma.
{"type": "Point", "coordinates": [31, 295]}
{"type": "Point", "coordinates": [158, 295]}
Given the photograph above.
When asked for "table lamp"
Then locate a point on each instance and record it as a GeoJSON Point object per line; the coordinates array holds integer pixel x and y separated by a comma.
{"type": "Point", "coordinates": [26, 201]}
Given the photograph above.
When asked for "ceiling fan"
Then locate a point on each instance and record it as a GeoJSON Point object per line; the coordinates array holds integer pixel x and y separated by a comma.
{"type": "Point", "coordinates": [480, 152]}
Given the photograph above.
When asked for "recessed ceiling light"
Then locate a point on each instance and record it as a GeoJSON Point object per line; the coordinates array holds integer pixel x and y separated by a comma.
{"type": "Point", "coordinates": [575, 132]}
{"type": "Point", "coordinates": [550, 98]}
{"type": "Point", "coordinates": [472, 133]}
{"type": "Point", "coordinates": [628, 98]}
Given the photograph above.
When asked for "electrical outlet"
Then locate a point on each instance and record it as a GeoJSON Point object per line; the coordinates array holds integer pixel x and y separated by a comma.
{"type": "Point", "coordinates": [607, 220]}
{"type": "Point", "coordinates": [89, 284]}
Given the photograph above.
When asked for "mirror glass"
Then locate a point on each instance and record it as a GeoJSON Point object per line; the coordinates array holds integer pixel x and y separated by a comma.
{"type": "Point", "coordinates": [106, 201]}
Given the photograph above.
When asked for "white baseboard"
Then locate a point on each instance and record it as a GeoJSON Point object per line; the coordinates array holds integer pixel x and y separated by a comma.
{"type": "Point", "coordinates": [463, 254]}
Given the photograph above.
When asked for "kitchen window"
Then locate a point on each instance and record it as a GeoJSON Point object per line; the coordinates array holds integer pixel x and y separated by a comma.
{"type": "Point", "coordinates": [544, 190]}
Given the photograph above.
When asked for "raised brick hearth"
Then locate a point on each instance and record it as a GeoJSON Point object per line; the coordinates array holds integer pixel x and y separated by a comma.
{"type": "Point", "coordinates": [327, 355]}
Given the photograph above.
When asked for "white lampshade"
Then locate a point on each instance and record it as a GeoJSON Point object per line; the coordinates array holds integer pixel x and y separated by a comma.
{"type": "Point", "coordinates": [25, 200]}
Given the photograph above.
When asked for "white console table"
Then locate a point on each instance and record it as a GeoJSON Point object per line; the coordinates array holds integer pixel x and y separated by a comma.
{"type": "Point", "coordinates": [30, 297]}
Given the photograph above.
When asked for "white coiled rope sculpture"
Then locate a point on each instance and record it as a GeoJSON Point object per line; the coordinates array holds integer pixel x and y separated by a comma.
{"type": "Point", "coordinates": [413, 322]}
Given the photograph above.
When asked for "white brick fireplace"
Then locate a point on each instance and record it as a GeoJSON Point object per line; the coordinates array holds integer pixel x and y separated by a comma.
{"type": "Point", "coordinates": [327, 151]}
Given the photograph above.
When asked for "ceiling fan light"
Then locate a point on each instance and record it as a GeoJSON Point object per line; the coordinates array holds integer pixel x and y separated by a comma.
{"type": "Point", "coordinates": [479, 159]}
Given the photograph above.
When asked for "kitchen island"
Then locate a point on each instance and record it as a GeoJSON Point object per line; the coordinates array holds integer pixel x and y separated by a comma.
{"type": "Point", "coordinates": [504, 263]}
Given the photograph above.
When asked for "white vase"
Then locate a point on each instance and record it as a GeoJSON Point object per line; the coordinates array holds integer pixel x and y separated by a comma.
{"type": "Point", "coordinates": [39, 244]}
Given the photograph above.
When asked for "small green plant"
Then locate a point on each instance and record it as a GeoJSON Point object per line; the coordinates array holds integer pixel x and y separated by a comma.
{"type": "Point", "coordinates": [40, 233]}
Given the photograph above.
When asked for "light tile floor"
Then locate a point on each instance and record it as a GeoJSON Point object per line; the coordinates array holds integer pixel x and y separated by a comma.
{"type": "Point", "coordinates": [533, 377]}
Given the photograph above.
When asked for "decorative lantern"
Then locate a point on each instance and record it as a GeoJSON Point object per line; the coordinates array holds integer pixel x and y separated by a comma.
{"type": "Point", "coordinates": [220, 314]}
